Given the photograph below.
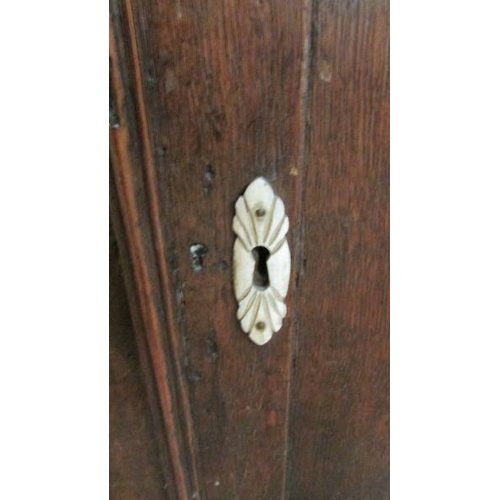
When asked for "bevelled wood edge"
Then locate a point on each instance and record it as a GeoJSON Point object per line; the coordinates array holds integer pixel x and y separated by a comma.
{"type": "Point", "coordinates": [140, 338]}
{"type": "Point", "coordinates": [134, 178]}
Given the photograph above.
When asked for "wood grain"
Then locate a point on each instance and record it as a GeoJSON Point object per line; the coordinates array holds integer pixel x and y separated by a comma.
{"type": "Point", "coordinates": [339, 424]}
{"type": "Point", "coordinates": [130, 182]}
{"type": "Point", "coordinates": [208, 96]}
{"type": "Point", "coordinates": [220, 85]}
{"type": "Point", "coordinates": [136, 469]}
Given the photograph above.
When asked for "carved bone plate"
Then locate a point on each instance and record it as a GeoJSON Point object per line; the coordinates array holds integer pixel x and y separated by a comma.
{"type": "Point", "coordinates": [260, 285]}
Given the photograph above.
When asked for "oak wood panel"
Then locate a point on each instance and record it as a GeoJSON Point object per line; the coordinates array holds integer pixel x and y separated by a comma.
{"type": "Point", "coordinates": [208, 96]}
{"type": "Point", "coordinates": [340, 399]}
{"type": "Point", "coordinates": [221, 87]}
{"type": "Point", "coordinates": [218, 90]}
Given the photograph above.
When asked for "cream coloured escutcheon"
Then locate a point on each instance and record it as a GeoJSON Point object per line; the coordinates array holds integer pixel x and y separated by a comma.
{"type": "Point", "coordinates": [261, 261]}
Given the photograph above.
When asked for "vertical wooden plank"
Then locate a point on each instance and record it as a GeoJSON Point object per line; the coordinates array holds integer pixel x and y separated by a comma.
{"type": "Point", "coordinates": [219, 104]}
{"type": "Point", "coordinates": [340, 406]}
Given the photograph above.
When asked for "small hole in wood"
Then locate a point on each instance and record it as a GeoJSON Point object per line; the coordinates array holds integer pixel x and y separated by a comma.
{"type": "Point", "coordinates": [260, 274]}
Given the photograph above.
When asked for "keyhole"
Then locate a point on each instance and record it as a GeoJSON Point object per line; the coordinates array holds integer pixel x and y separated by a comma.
{"type": "Point", "coordinates": [260, 275]}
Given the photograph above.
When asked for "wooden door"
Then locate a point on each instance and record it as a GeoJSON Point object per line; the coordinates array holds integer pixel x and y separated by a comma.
{"type": "Point", "coordinates": [205, 97]}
